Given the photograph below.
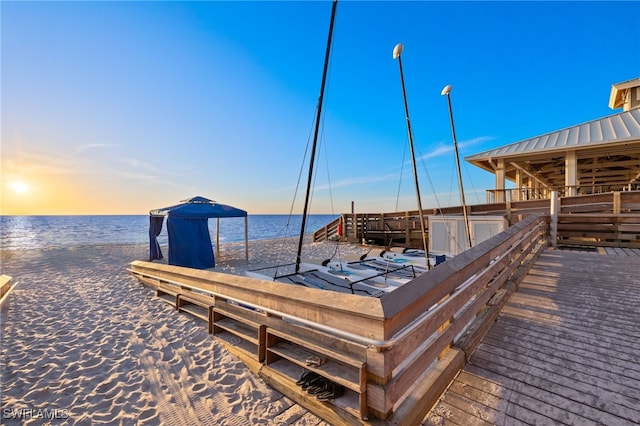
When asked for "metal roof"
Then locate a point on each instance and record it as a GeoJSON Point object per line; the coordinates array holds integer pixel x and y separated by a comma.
{"type": "Point", "coordinates": [620, 91]}
{"type": "Point", "coordinates": [621, 127]}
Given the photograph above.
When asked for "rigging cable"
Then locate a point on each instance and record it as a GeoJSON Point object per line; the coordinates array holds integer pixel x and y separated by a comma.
{"type": "Point", "coordinates": [295, 193]}
{"type": "Point", "coordinates": [475, 192]}
{"type": "Point", "coordinates": [435, 196]}
{"type": "Point", "coordinates": [404, 156]}
{"type": "Point", "coordinates": [324, 144]}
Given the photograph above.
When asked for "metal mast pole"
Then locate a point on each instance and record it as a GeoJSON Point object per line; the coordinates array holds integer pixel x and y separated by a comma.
{"type": "Point", "coordinates": [397, 51]}
{"type": "Point", "coordinates": [315, 137]}
{"type": "Point", "coordinates": [447, 92]}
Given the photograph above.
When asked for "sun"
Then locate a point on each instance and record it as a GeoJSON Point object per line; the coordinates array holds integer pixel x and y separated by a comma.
{"type": "Point", "coordinates": [19, 187]}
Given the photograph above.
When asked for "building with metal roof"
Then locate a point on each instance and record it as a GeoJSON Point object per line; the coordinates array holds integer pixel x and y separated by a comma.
{"type": "Point", "coordinates": [598, 156]}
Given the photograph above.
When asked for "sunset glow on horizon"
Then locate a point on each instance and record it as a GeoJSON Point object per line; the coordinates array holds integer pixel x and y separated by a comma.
{"type": "Point", "coordinates": [64, 194]}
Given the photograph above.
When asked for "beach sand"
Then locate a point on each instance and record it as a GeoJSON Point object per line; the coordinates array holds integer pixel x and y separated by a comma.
{"type": "Point", "coordinates": [84, 342]}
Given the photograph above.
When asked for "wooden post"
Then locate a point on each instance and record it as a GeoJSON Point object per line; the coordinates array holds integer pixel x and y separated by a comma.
{"type": "Point", "coordinates": [353, 224]}
{"type": "Point", "coordinates": [554, 219]}
{"type": "Point", "coordinates": [246, 237]}
{"type": "Point", "coordinates": [571, 173]}
{"type": "Point", "coordinates": [617, 204]}
{"type": "Point", "coordinates": [365, 228]}
{"type": "Point", "coordinates": [519, 196]}
{"type": "Point", "coordinates": [407, 230]}
{"type": "Point", "coordinates": [500, 178]}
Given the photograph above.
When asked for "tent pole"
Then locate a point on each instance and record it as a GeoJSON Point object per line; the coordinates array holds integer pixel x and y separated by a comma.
{"type": "Point", "coordinates": [246, 238]}
{"type": "Point", "coordinates": [217, 237]}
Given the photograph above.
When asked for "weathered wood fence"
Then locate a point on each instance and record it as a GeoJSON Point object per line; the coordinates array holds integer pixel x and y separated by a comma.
{"type": "Point", "coordinates": [393, 354]}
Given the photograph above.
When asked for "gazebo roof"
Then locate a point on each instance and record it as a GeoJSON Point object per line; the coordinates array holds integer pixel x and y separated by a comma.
{"type": "Point", "coordinates": [199, 207]}
{"type": "Point", "coordinates": [188, 232]}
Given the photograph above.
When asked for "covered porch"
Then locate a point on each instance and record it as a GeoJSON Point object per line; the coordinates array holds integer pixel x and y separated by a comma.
{"type": "Point", "coordinates": [598, 156]}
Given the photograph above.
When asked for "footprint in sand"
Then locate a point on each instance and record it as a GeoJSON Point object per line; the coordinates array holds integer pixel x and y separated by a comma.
{"type": "Point", "coordinates": [199, 388]}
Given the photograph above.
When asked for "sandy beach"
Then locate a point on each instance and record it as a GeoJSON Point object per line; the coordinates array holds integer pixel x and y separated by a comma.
{"type": "Point", "coordinates": [83, 342]}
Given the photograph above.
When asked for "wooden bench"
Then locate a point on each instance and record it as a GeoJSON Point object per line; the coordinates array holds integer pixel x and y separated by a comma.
{"type": "Point", "coordinates": [242, 336]}
{"type": "Point", "coordinates": [5, 286]}
{"type": "Point", "coordinates": [165, 289]}
{"type": "Point", "coordinates": [199, 305]}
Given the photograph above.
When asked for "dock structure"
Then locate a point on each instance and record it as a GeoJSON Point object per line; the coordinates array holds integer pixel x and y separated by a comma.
{"type": "Point", "coordinates": [391, 355]}
{"type": "Point", "coordinates": [394, 356]}
{"type": "Point", "coordinates": [564, 349]}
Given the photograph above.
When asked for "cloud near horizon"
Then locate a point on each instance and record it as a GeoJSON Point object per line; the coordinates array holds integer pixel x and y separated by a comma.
{"type": "Point", "coordinates": [443, 148]}
{"type": "Point", "coordinates": [82, 148]}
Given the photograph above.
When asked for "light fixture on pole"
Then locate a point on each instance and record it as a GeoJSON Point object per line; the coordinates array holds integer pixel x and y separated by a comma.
{"type": "Point", "coordinates": [397, 52]}
{"type": "Point", "coordinates": [447, 92]}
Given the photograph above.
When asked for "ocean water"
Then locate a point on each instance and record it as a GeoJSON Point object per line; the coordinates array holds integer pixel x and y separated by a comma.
{"type": "Point", "coordinates": [39, 232]}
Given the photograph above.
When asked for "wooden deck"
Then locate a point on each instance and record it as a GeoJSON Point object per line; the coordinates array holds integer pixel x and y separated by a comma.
{"type": "Point", "coordinates": [565, 349]}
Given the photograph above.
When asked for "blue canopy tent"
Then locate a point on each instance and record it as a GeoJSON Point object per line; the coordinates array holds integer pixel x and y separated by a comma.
{"type": "Point", "coordinates": [188, 231]}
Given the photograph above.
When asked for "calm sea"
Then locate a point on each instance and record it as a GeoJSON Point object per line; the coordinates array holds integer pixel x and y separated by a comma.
{"type": "Point", "coordinates": [37, 232]}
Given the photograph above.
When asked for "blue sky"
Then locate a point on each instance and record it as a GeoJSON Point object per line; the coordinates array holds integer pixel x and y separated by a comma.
{"type": "Point", "coordinates": [122, 107]}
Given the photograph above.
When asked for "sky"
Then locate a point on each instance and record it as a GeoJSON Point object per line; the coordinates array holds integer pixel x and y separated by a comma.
{"type": "Point", "coordinates": [122, 107]}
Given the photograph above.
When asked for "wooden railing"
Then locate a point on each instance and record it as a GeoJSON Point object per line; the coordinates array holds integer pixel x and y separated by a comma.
{"type": "Point", "coordinates": [525, 193]}
{"type": "Point", "coordinates": [599, 229]}
{"type": "Point", "coordinates": [331, 231]}
{"type": "Point", "coordinates": [393, 354]}
{"type": "Point", "coordinates": [399, 227]}
{"type": "Point", "coordinates": [403, 228]}
{"type": "Point", "coordinates": [518, 194]}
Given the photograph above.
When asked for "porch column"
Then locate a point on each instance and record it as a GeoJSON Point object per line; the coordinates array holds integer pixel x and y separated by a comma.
{"type": "Point", "coordinates": [500, 182]}
{"type": "Point", "coordinates": [528, 183]}
{"type": "Point", "coordinates": [571, 174]}
{"type": "Point", "coordinates": [519, 189]}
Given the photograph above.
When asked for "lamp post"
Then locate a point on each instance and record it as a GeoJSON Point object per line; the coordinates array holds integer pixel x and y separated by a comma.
{"type": "Point", "coordinates": [397, 52]}
{"type": "Point", "coordinates": [447, 92]}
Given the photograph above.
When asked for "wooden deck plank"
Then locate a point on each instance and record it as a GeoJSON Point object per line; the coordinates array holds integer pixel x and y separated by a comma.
{"type": "Point", "coordinates": [590, 353]}
{"type": "Point", "coordinates": [473, 405]}
{"type": "Point", "coordinates": [519, 407]}
{"type": "Point", "coordinates": [582, 317]}
{"type": "Point", "coordinates": [579, 360]}
{"type": "Point", "coordinates": [565, 349]}
{"type": "Point", "coordinates": [574, 385]}
{"type": "Point", "coordinates": [489, 392]}
{"type": "Point", "coordinates": [528, 403]}
{"type": "Point", "coordinates": [622, 251]}
{"type": "Point", "coordinates": [442, 415]}
{"type": "Point", "coordinates": [463, 411]}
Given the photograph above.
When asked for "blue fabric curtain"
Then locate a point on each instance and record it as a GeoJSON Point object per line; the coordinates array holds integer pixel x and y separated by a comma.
{"type": "Point", "coordinates": [155, 227]}
{"type": "Point", "coordinates": [190, 243]}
